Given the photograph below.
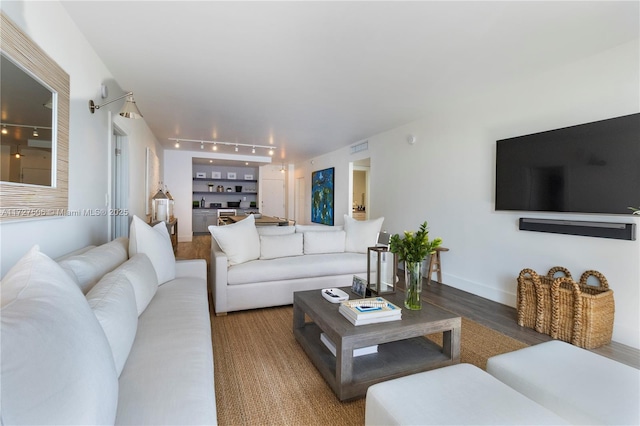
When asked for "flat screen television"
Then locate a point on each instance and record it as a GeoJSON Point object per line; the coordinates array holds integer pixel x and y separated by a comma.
{"type": "Point", "coordinates": [588, 168]}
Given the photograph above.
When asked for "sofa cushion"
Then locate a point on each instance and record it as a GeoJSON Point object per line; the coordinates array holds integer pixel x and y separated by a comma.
{"type": "Point", "coordinates": [324, 242]}
{"type": "Point", "coordinates": [87, 268]}
{"type": "Point", "coordinates": [288, 268]}
{"type": "Point", "coordinates": [239, 241]}
{"type": "Point", "coordinates": [57, 367]}
{"type": "Point", "coordinates": [168, 378]}
{"type": "Point", "coordinates": [326, 228]}
{"type": "Point", "coordinates": [361, 234]}
{"type": "Point", "coordinates": [142, 277]}
{"type": "Point", "coordinates": [275, 230]}
{"type": "Point", "coordinates": [565, 379]}
{"type": "Point", "coordinates": [275, 246]}
{"type": "Point", "coordinates": [460, 394]}
{"type": "Point", "coordinates": [155, 243]}
{"type": "Point", "coordinates": [114, 304]}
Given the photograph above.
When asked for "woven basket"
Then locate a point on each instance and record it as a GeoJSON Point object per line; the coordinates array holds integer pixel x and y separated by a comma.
{"type": "Point", "coordinates": [558, 306]}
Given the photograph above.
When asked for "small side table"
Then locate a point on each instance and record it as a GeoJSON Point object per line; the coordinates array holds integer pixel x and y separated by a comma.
{"type": "Point", "coordinates": [435, 264]}
{"type": "Point", "coordinates": [172, 227]}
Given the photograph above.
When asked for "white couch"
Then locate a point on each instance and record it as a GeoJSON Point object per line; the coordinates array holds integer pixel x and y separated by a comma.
{"type": "Point", "coordinates": [114, 334]}
{"type": "Point", "coordinates": [256, 267]}
{"type": "Point", "coordinates": [549, 383]}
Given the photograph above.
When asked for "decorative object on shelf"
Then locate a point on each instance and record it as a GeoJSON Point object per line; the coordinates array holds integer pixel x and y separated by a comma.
{"type": "Point", "coordinates": [412, 250]}
{"type": "Point", "coordinates": [216, 175]}
{"type": "Point", "coordinates": [238, 188]}
{"type": "Point", "coordinates": [220, 188]}
{"type": "Point", "coordinates": [160, 206]}
{"type": "Point", "coordinates": [381, 270]}
{"type": "Point", "coordinates": [322, 194]}
{"type": "Point", "coordinates": [248, 177]}
{"type": "Point", "coordinates": [231, 175]}
{"type": "Point", "coordinates": [210, 187]}
{"type": "Point", "coordinates": [201, 175]}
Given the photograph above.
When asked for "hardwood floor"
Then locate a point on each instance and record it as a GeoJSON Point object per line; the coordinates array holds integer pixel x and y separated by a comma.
{"type": "Point", "coordinates": [494, 315]}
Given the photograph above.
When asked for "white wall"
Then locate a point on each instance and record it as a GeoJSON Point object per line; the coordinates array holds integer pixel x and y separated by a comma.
{"type": "Point", "coordinates": [49, 26]}
{"type": "Point", "coordinates": [447, 178]}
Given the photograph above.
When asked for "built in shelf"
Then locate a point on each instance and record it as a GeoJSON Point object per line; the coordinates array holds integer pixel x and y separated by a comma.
{"type": "Point", "coordinates": [223, 193]}
{"type": "Point", "coordinates": [222, 180]}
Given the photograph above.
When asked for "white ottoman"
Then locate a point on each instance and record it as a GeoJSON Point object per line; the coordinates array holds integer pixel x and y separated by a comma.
{"type": "Point", "coordinates": [460, 394]}
{"type": "Point", "coordinates": [578, 385]}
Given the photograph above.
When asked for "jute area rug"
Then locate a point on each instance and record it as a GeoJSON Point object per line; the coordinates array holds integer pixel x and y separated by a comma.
{"type": "Point", "coordinates": [263, 377]}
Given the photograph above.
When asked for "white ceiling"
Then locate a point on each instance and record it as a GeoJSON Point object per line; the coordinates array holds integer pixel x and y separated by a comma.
{"type": "Point", "coordinates": [312, 77]}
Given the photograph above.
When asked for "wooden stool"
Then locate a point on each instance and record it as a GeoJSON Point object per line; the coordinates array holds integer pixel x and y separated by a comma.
{"type": "Point", "coordinates": [435, 264]}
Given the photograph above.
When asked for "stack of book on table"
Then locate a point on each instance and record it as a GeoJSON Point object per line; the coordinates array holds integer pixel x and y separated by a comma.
{"type": "Point", "coordinates": [370, 311]}
{"type": "Point", "coordinates": [356, 352]}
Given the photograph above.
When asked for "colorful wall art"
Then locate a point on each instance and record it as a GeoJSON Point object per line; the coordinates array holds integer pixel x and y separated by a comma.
{"type": "Point", "coordinates": [322, 196]}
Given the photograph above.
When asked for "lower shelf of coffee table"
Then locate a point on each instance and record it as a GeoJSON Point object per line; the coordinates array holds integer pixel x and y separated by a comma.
{"type": "Point", "coordinates": [393, 359]}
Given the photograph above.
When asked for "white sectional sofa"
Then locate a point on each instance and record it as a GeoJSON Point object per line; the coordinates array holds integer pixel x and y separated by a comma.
{"type": "Point", "coordinates": [114, 334]}
{"type": "Point", "coordinates": [256, 267]}
{"type": "Point", "coordinates": [549, 383]}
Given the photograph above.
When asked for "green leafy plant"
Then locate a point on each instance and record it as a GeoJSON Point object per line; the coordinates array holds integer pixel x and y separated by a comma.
{"type": "Point", "coordinates": [635, 211]}
{"type": "Point", "coordinates": [415, 246]}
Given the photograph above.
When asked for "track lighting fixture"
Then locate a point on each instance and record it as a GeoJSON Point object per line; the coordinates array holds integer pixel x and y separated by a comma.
{"type": "Point", "coordinates": [129, 109]}
{"type": "Point", "coordinates": [236, 146]}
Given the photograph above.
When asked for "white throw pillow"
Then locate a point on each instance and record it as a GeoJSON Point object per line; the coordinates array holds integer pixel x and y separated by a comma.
{"type": "Point", "coordinates": [114, 304]}
{"type": "Point", "coordinates": [140, 273]}
{"type": "Point", "coordinates": [239, 241]}
{"type": "Point", "coordinates": [361, 234]}
{"type": "Point", "coordinates": [275, 230]}
{"type": "Point", "coordinates": [57, 366]}
{"type": "Point", "coordinates": [324, 242]}
{"type": "Point", "coordinates": [87, 268]}
{"type": "Point", "coordinates": [155, 243]}
{"type": "Point", "coordinates": [275, 246]}
{"type": "Point", "coordinates": [320, 228]}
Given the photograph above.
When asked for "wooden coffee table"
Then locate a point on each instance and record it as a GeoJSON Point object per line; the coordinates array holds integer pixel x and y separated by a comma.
{"type": "Point", "coordinates": [402, 347]}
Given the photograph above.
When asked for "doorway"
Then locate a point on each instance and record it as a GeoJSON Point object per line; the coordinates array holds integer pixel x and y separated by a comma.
{"type": "Point", "coordinates": [360, 189]}
{"type": "Point", "coordinates": [273, 204]}
{"type": "Point", "coordinates": [119, 206]}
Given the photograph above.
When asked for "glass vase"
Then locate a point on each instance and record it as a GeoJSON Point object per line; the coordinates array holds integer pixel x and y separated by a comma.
{"type": "Point", "coordinates": [413, 285]}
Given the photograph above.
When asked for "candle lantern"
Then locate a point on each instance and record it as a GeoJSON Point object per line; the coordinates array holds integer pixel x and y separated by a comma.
{"type": "Point", "coordinates": [160, 205]}
{"type": "Point", "coordinates": [382, 266]}
{"type": "Point", "coordinates": [171, 205]}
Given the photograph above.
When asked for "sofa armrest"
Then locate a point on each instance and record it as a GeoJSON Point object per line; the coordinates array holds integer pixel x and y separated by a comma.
{"type": "Point", "coordinates": [218, 276]}
{"type": "Point", "coordinates": [194, 268]}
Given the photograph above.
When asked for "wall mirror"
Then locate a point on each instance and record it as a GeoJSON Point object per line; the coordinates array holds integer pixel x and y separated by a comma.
{"type": "Point", "coordinates": [34, 129]}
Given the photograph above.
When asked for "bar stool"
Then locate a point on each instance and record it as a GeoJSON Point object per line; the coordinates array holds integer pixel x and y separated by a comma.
{"type": "Point", "coordinates": [435, 263]}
